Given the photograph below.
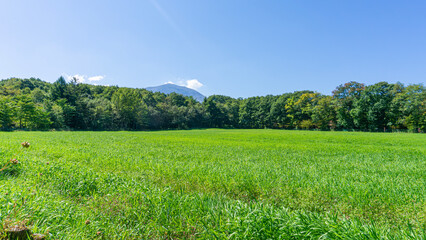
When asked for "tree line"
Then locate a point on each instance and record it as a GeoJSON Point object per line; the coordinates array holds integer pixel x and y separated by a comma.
{"type": "Point", "coordinates": [33, 104]}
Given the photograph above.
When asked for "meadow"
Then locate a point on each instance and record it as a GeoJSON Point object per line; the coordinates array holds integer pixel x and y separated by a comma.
{"type": "Point", "coordinates": [216, 184]}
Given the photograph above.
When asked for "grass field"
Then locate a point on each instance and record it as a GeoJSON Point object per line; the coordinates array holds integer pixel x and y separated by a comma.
{"type": "Point", "coordinates": [224, 184]}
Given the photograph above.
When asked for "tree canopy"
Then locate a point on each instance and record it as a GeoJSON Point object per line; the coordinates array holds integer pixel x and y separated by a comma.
{"type": "Point", "coordinates": [33, 104]}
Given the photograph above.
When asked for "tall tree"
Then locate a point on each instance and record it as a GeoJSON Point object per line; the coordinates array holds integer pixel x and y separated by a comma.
{"type": "Point", "coordinates": [25, 111]}
{"type": "Point", "coordinates": [6, 113]}
{"type": "Point", "coordinates": [130, 109]}
{"type": "Point", "coordinates": [372, 109]}
{"type": "Point", "coordinates": [278, 113]}
{"type": "Point", "coordinates": [58, 89]}
{"type": "Point", "coordinates": [214, 114]}
{"type": "Point", "coordinates": [324, 114]}
{"type": "Point", "coordinates": [344, 98]}
{"type": "Point", "coordinates": [409, 107]}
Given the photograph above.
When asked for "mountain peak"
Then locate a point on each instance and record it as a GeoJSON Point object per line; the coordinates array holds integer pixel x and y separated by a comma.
{"type": "Point", "coordinates": [170, 87]}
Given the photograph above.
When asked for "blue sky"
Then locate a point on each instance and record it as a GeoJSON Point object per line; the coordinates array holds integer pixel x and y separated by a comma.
{"type": "Point", "coordinates": [239, 48]}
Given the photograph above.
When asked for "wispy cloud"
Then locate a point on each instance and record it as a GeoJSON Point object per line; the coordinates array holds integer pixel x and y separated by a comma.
{"type": "Point", "coordinates": [167, 17]}
{"type": "Point", "coordinates": [96, 78]}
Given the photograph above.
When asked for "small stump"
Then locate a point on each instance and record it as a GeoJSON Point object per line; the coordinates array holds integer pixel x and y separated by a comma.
{"type": "Point", "coordinates": [37, 236]}
{"type": "Point", "coordinates": [18, 233]}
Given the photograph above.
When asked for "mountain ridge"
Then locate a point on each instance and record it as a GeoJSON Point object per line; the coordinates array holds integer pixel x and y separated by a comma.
{"type": "Point", "coordinates": [169, 88]}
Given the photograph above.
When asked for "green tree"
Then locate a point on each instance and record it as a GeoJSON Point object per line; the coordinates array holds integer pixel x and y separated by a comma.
{"type": "Point", "coordinates": [304, 107]}
{"type": "Point", "coordinates": [57, 117]}
{"type": "Point", "coordinates": [409, 107]}
{"type": "Point", "coordinates": [6, 113]}
{"type": "Point", "coordinates": [344, 98]}
{"type": "Point", "coordinates": [58, 89]}
{"type": "Point", "coordinates": [41, 120]}
{"type": "Point", "coordinates": [130, 108]}
{"type": "Point", "coordinates": [247, 114]}
{"type": "Point", "coordinates": [214, 115]}
{"type": "Point", "coordinates": [324, 114]}
{"type": "Point", "coordinates": [100, 114]}
{"type": "Point", "coordinates": [25, 111]}
{"type": "Point", "coordinates": [278, 113]}
{"type": "Point", "coordinates": [372, 110]}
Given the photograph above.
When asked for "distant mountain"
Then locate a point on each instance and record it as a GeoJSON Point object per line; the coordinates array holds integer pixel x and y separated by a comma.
{"type": "Point", "coordinates": [169, 88]}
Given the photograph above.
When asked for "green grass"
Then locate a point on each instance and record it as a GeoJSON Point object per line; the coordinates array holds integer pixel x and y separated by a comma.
{"type": "Point", "coordinates": [224, 184]}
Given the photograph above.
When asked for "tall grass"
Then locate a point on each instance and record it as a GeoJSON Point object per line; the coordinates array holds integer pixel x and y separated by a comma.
{"type": "Point", "coordinates": [225, 184]}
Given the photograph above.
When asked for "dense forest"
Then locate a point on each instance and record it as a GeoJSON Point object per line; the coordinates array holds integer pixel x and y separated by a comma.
{"type": "Point", "coordinates": [32, 104]}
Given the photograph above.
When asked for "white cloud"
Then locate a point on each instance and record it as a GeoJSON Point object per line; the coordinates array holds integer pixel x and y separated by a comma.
{"type": "Point", "coordinates": [96, 78]}
{"type": "Point", "coordinates": [79, 78]}
{"type": "Point", "coordinates": [193, 84]}
{"type": "Point", "coordinates": [84, 78]}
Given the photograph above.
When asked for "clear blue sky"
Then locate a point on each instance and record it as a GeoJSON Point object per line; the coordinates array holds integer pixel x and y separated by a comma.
{"type": "Point", "coordinates": [238, 48]}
